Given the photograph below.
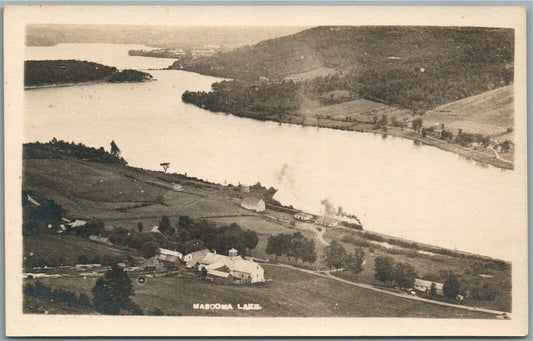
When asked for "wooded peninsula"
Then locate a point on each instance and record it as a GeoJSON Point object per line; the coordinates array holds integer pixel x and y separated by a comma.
{"type": "Point", "coordinates": [38, 73]}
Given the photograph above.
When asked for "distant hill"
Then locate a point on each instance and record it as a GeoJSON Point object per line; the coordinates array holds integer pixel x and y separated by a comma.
{"type": "Point", "coordinates": [185, 37]}
{"type": "Point", "coordinates": [414, 67]}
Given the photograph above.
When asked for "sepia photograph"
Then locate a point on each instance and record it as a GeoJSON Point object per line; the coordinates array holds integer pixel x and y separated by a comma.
{"type": "Point", "coordinates": [265, 171]}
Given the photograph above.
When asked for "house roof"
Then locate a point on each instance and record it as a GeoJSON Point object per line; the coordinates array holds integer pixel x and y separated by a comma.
{"type": "Point", "coordinates": [196, 256]}
{"type": "Point", "coordinates": [78, 223]}
{"type": "Point", "coordinates": [425, 283]}
{"type": "Point", "coordinates": [252, 201]}
{"type": "Point", "coordinates": [99, 239]}
{"type": "Point", "coordinates": [211, 258]}
{"type": "Point", "coordinates": [170, 253]}
{"type": "Point", "coordinates": [216, 261]}
{"type": "Point", "coordinates": [155, 229]}
{"type": "Point", "coordinates": [241, 265]}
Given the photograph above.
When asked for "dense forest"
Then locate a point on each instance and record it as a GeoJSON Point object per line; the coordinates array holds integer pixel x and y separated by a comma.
{"type": "Point", "coordinates": [47, 72]}
{"type": "Point", "coordinates": [413, 67]}
{"type": "Point", "coordinates": [260, 100]}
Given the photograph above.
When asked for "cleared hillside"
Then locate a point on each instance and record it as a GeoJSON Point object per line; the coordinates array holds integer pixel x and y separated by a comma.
{"type": "Point", "coordinates": [488, 113]}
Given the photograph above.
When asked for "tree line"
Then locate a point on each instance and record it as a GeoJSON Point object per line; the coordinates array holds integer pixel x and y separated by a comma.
{"type": "Point", "coordinates": [186, 236]}
{"type": "Point", "coordinates": [56, 148]}
{"type": "Point", "coordinates": [336, 256]}
{"type": "Point", "coordinates": [292, 246]}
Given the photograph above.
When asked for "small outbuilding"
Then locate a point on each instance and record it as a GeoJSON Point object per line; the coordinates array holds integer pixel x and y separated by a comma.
{"type": "Point", "coordinates": [327, 221]}
{"type": "Point", "coordinates": [77, 223]}
{"type": "Point", "coordinates": [303, 216]}
{"type": "Point", "coordinates": [169, 255]}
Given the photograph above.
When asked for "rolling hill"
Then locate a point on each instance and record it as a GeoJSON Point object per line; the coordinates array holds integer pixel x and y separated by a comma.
{"type": "Point", "coordinates": [413, 67]}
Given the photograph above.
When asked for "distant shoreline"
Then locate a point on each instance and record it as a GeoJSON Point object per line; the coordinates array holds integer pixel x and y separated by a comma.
{"type": "Point", "coordinates": [62, 85]}
{"type": "Point", "coordinates": [406, 133]}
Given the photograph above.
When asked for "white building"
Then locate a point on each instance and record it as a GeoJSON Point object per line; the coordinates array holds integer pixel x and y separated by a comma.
{"type": "Point", "coordinates": [303, 216]}
{"type": "Point", "coordinates": [327, 221]}
{"type": "Point", "coordinates": [234, 265]}
{"type": "Point", "coordinates": [169, 255]}
{"type": "Point", "coordinates": [254, 204]}
{"type": "Point", "coordinates": [425, 286]}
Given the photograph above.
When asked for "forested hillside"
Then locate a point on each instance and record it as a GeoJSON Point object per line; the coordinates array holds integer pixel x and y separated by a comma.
{"type": "Point", "coordinates": [414, 67]}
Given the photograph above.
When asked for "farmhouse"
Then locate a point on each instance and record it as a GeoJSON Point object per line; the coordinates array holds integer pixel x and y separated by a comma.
{"type": "Point", "coordinates": [244, 271]}
{"type": "Point", "coordinates": [425, 286]}
{"type": "Point", "coordinates": [253, 204]}
{"type": "Point", "coordinates": [326, 221]}
{"type": "Point", "coordinates": [303, 216]}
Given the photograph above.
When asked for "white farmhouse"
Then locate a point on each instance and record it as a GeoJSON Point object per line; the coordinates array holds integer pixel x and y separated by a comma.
{"type": "Point", "coordinates": [253, 204]}
{"type": "Point", "coordinates": [303, 216]}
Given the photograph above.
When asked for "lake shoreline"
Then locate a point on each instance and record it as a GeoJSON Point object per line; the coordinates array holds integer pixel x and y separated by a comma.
{"type": "Point", "coordinates": [64, 85]}
{"type": "Point", "coordinates": [406, 133]}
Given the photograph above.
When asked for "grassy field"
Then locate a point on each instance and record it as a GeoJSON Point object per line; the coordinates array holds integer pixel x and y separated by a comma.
{"type": "Point", "coordinates": [132, 195]}
{"type": "Point", "coordinates": [430, 265]}
{"type": "Point", "coordinates": [66, 250]}
{"type": "Point", "coordinates": [489, 113]}
{"type": "Point", "coordinates": [289, 293]}
{"type": "Point", "coordinates": [362, 110]}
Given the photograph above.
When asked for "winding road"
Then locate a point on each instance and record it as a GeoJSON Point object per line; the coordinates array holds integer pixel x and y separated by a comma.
{"type": "Point", "coordinates": [402, 295]}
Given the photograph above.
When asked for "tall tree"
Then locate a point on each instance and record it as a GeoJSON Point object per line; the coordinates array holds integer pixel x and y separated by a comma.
{"type": "Point", "coordinates": [384, 269]}
{"type": "Point", "coordinates": [354, 261]}
{"type": "Point", "coordinates": [335, 255]}
{"type": "Point", "coordinates": [164, 225]}
{"type": "Point", "coordinates": [451, 285]}
{"type": "Point", "coordinates": [404, 275]}
{"type": "Point", "coordinates": [114, 149]}
{"type": "Point", "coordinates": [111, 293]}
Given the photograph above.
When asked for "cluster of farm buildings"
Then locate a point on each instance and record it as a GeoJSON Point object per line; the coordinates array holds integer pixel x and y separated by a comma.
{"type": "Point", "coordinates": [258, 205]}
{"type": "Point", "coordinates": [233, 267]}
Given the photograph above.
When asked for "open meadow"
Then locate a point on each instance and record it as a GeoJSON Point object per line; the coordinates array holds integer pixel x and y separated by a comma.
{"type": "Point", "coordinates": [288, 293]}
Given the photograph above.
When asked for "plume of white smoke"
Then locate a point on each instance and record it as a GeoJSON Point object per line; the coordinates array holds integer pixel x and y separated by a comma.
{"type": "Point", "coordinates": [329, 208]}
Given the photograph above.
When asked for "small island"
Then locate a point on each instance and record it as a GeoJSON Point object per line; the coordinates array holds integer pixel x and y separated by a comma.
{"type": "Point", "coordinates": [41, 73]}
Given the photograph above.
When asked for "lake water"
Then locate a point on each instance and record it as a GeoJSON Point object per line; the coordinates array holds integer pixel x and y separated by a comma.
{"type": "Point", "coordinates": [394, 186]}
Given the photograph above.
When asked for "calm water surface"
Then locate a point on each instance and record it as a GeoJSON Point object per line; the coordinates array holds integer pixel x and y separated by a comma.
{"type": "Point", "coordinates": [394, 186]}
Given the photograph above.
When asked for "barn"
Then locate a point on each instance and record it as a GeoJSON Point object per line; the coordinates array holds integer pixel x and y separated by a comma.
{"type": "Point", "coordinates": [241, 270]}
